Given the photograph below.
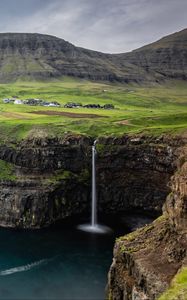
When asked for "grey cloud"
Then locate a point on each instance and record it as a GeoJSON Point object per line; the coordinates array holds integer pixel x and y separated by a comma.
{"type": "Point", "coordinates": [104, 25]}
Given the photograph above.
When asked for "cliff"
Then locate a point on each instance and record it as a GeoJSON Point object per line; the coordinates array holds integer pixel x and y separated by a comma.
{"type": "Point", "coordinates": [145, 261]}
{"type": "Point", "coordinates": [49, 179]}
{"type": "Point", "coordinates": [44, 180]}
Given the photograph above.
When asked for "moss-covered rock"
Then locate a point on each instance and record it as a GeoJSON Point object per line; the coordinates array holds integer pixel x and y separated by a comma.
{"type": "Point", "coordinates": [7, 171]}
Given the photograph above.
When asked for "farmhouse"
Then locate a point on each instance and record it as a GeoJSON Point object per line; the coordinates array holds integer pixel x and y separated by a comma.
{"type": "Point", "coordinates": [18, 101]}
{"type": "Point", "coordinates": [8, 100]}
{"type": "Point", "coordinates": [32, 102]}
{"type": "Point", "coordinates": [72, 105]}
{"type": "Point", "coordinates": [93, 105]}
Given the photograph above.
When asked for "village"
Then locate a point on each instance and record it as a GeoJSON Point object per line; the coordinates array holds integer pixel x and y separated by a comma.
{"type": "Point", "coordinates": [41, 102]}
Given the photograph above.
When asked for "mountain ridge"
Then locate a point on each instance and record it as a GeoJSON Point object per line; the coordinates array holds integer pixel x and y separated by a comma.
{"type": "Point", "coordinates": [42, 56]}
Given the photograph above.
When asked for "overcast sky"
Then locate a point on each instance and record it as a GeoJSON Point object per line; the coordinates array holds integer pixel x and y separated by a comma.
{"type": "Point", "coordinates": [105, 25]}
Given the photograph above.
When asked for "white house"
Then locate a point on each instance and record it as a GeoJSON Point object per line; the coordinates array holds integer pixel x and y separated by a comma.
{"type": "Point", "coordinates": [18, 101]}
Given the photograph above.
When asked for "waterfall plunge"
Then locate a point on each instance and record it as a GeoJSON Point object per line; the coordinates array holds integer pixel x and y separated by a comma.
{"type": "Point", "coordinates": [94, 227]}
{"type": "Point", "coordinates": [94, 195]}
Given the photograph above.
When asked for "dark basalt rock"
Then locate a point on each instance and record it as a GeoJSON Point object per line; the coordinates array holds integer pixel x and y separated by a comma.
{"type": "Point", "coordinates": [146, 260]}
{"type": "Point", "coordinates": [35, 203]}
{"type": "Point", "coordinates": [53, 183]}
{"type": "Point", "coordinates": [54, 177]}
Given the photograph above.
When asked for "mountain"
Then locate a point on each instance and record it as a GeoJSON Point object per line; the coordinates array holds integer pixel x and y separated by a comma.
{"type": "Point", "coordinates": [38, 56]}
{"type": "Point", "coordinates": [42, 56]}
{"type": "Point", "coordinates": [166, 57]}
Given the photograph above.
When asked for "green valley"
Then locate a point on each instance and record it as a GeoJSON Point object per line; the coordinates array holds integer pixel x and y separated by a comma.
{"type": "Point", "coordinates": [150, 109]}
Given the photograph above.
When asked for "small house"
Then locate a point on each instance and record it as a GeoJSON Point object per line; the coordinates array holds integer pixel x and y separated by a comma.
{"type": "Point", "coordinates": [7, 100]}
{"type": "Point", "coordinates": [108, 106]}
{"type": "Point", "coordinates": [54, 103]}
{"type": "Point", "coordinates": [18, 101]}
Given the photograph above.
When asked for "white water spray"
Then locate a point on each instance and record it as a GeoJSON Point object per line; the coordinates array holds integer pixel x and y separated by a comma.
{"type": "Point", "coordinates": [23, 268]}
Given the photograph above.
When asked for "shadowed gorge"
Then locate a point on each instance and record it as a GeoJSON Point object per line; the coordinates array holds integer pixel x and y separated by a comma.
{"type": "Point", "coordinates": [49, 180]}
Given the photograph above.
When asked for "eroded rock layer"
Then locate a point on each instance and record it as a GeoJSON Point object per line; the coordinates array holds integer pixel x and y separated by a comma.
{"type": "Point", "coordinates": [52, 178]}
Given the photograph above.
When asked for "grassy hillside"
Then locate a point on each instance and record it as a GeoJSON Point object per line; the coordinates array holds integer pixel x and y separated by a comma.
{"type": "Point", "coordinates": [178, 289]}
{"type": "Point", "coordinates": [137, 109]}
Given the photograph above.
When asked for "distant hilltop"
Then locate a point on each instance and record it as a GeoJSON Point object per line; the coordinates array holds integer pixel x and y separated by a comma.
{"type": "Point", "coordinates": [37, 56]}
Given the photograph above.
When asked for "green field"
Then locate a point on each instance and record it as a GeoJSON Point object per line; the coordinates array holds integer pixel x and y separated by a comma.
{"type": "Point", "coordinates": [151, 110]}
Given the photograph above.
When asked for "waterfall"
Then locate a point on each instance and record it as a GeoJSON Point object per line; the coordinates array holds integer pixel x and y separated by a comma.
{"type": "Point", "coordinates": [94, 196]}
{"type": "Point", "coordinates": [94, 227]}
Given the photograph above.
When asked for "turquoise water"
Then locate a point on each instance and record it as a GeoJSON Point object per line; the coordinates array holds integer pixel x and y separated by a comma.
{"type": "Point", "coordinates": [57, 263]}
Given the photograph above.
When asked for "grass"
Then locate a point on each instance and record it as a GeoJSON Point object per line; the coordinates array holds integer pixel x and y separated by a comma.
{"type": "Point", "coordinates": [178, 289]}
{"type": "Point", "coordinates": [60, 175]}
{"type": "Point", "coordinates": [6, 171]}
{"type": "Point", "coordinates": [151, 110]}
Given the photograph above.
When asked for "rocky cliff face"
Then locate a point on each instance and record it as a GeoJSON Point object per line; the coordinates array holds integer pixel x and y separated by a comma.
{"type": "Point", "coordinates": [175, 207]}
{"type": "Point", "coordinates": [52, 181]}
{"type": "Point", "coordinates": [135, 172]}
{"type": "Point", "coordinates": [52, 177]}
{"type": "Point", "coordinates": [146, 261]}
{"type": "Point", "coordinates": [50, 184]}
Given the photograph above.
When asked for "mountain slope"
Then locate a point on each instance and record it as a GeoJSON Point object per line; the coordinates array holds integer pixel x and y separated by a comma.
{"type": "Point", "coordinates": [167, 57]}
{"type": "Point", "coordinates": [42, 56]}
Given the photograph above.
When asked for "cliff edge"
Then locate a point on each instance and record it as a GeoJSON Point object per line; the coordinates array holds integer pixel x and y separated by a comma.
{"type": "Point", "coordinates": [146, 261]}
